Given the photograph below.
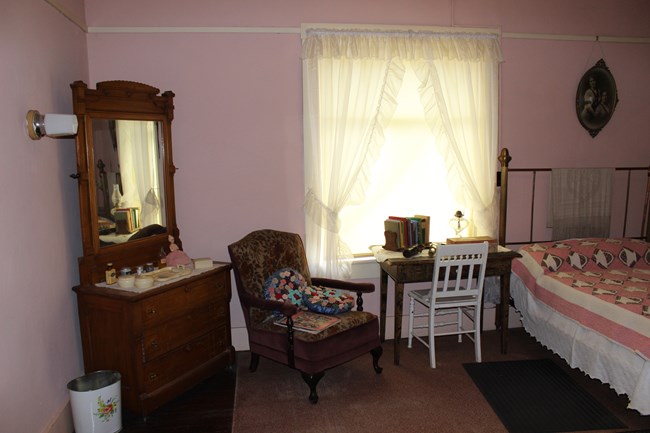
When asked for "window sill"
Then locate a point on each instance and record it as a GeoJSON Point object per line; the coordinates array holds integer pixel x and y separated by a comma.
{"type": "Point", "coordinates": [364, 268]}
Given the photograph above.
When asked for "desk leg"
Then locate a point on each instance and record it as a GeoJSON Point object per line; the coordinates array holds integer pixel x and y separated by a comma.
{"type": "Point", "coordinates": [399, 300]}
{"type": "Point", "coordinates": [383, 296]}
{"type": "Point", "coordinates": [504, 310]}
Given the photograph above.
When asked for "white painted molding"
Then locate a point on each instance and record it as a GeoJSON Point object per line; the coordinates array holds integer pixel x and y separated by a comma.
{"type": "Point", "coordinates": [300, 31]}
{"type": "Point", "coordinates": [585, 38]}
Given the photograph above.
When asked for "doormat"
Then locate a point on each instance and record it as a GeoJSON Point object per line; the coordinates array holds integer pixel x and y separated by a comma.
{"type": "Point", "coordinates": [537, 396]}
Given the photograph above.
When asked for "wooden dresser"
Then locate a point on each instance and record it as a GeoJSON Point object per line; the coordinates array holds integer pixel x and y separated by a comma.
{"type": "Point", "coordinates": [163, 340]}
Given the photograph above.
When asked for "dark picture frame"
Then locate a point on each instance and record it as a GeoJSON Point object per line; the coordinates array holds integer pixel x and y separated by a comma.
{"type": "Point", "coordinates": [596, 98]}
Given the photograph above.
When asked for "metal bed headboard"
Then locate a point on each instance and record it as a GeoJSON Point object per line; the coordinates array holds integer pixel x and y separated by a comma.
{"type": "Point", "coordinates": [504, 160]}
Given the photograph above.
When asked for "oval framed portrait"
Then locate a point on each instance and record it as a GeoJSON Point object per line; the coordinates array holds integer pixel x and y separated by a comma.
{"type": "Point", "coordinates": [596, 98]}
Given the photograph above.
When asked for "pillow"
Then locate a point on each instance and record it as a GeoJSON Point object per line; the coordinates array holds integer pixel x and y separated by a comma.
{"type": "Point", "coordinates": [327, 301]}
{"type": "Point", "coordinates": [285, 285]}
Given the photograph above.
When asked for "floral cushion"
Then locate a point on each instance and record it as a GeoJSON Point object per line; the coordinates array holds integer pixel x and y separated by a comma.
{"type": "Point", "coordinates": [327, 301]}
{"type": "Point", "coordinates": [285, 285]}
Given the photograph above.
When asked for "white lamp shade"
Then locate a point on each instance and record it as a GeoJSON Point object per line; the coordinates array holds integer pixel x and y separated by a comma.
{"type": "Point", "coordinates": [58, 125]}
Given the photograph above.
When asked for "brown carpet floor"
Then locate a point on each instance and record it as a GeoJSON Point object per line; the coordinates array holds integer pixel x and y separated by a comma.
{"type": "Point", "coordinates": [410, 397]}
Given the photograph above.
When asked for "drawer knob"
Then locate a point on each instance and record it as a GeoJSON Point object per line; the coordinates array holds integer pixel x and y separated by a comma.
{"type": "Point", "coordinates": [152, 376]}
{"type": "Point", "coordinates": [151, 311]}
{"type": "Point", "coordinates": [188, 289]}
{"type": "Point", "coordinates": [154, 344]}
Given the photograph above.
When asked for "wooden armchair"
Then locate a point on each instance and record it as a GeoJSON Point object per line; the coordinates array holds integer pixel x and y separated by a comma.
{"type": "Point", "coordinates": [259, 255]}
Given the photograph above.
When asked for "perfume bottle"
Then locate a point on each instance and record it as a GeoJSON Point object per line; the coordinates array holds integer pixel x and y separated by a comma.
{"type": "Point", "coordinates": [162, 259]}
{"type": "Point", "coordinates": [111, 275]}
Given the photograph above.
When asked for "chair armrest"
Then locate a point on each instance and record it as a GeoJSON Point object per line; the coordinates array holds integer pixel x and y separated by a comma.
{"type": "Point", "coordinates": [344, 285]}
{"type": "Point", "coordinates": [286, 308]}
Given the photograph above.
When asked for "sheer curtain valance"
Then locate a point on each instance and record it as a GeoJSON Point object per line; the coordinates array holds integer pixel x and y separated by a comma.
{"type": "Point", "coordinates": [405, 45]}
{"type": "Point", "coordinates": [351, 80]}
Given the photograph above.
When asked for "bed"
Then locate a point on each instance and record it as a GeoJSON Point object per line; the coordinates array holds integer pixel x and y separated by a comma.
{"type": "Point", "coordinates": [588, 299]}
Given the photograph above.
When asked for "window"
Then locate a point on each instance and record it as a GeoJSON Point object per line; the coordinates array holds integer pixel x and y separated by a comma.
{"type": "Point", "coordinates": [422, 102]}
{"type": "Point", "coordinates": [409, 178]}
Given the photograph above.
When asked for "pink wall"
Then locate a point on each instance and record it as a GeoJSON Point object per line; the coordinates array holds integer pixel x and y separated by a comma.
{"type": "Point", "coordinates": [238, 133]}
{"type": "Point", "coordinates": [238, 125]}
{"type": "Point", "coordinates": [42, 53]}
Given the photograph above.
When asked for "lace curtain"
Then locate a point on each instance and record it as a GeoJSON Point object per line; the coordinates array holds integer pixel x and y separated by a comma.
{"type": "Point", "coordinates": [580, 202]}
{"type": "Point", "coordinates": [138, 151]}
{"type": "Point", "coordinates": [350, 84]}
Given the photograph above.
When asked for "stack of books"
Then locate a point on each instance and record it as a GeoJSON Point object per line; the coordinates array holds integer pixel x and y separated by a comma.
{"type": "Point", "coordinates": [127, 220]}
{"type": "Point", "coordinates": [410, 231]}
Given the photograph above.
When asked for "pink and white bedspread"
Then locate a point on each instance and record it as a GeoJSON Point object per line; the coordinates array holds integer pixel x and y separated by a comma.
{"type": "Point", "coordinates": [588, 300]}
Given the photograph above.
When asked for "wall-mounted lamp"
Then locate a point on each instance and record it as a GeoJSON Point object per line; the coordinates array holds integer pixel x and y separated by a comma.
{"type": "Point", "coordinates": [52, 125]}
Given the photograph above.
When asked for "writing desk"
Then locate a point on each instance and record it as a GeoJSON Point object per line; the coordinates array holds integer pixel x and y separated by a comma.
{"type": "Point", "coordinates": [419, 269]}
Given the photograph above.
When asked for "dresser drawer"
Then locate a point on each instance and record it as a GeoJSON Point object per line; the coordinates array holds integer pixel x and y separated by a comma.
{"type": "Point", "coordinates": [173, 303]}
{"type": "Point", "coordinates": [183, 359]}
{"type": "Point", "coordinates": [176, 332]}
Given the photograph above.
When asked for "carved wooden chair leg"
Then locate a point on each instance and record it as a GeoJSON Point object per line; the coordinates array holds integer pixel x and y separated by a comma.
{"type": "Point", "coordinates": [255, 361]}
{"type": "Point", "coordinates": [312, 380]}
{"type": "Point", "coordinates": [376, 354]}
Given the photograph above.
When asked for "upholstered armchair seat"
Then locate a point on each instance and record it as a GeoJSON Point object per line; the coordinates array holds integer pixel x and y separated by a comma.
{"type": "Point", "coordinates": [259, 255]}
{"type": "Point", "coordinates": [353, 336]}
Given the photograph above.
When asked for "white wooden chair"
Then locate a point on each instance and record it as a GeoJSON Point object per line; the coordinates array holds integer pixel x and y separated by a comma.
{"type": "Point", "coordinates": [456, 289]}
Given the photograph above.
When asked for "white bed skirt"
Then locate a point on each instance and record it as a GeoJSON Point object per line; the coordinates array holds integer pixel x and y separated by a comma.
{"type": "Point", "coordinates": [625, 371]}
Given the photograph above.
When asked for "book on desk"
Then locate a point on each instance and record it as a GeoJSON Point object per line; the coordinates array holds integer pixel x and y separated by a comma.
{"type": "Point", "coordinates": [492, 243]}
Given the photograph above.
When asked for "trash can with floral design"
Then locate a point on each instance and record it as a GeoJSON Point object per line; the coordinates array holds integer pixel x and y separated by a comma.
{"type": "Point", "coordinates": [95, 402]}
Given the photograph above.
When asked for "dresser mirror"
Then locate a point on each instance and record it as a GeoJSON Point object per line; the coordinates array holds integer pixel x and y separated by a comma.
{"type": "Point", "coordinates": [128, 161]}
{"type": "Point", "coordinates": [125, 174]}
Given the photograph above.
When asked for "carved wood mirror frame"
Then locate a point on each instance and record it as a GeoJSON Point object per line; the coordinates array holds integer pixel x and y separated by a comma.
{"type": "Point", "coordinates": [119, 100]}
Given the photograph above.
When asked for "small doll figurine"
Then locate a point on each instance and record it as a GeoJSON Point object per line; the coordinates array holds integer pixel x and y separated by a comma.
{"type": "Point", "coordinates": [176, 257]}
{"type": "Point", "coordinates": [172, 246]}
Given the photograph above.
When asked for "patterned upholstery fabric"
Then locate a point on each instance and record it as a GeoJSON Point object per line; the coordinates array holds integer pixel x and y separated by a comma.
{"type": "Point", "coordinates": [260, 255]}
{"type": "Point", "coordinates": [263, 252]}
{"type": "Point", "coordinates": [349, 320]}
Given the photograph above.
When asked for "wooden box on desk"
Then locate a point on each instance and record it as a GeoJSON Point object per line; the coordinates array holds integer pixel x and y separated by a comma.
{"type": "Point", "coordinates": [492, 247]}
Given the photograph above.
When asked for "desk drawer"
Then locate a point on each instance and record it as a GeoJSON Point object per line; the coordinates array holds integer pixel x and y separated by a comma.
{"type": "Point", "coordinates": [182, 360]}
{"type": "Point", "coordinates": [176, 332]}
{"type": "Point", "coordinates": [414, 274]}
{"type": "Point", "coordinates": [176, 302]}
